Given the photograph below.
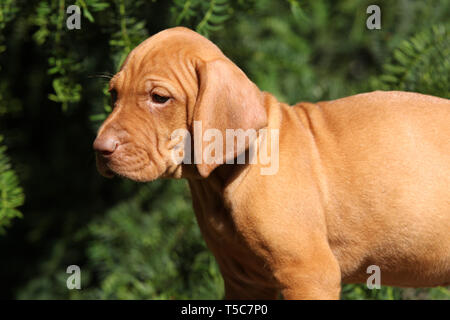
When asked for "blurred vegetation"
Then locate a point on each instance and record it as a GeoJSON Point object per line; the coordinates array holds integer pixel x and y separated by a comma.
{"type": "Point", "coordinates": [141, 241]}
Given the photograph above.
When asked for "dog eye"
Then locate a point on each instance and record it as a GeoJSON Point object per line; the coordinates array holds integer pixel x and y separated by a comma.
{"type": "Point", "coordinates": [159, 99]}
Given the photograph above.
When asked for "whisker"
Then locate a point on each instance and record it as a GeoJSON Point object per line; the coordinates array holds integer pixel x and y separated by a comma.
{"type": "Point", "coordinates": [105, 75]}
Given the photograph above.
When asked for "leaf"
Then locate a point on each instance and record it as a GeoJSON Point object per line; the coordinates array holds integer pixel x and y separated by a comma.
{"type": "Point", "coordinates": [11, 194]}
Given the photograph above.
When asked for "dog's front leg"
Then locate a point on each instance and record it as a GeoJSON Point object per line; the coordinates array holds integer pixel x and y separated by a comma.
{"type": "Point", "coordinates": [313, 277]}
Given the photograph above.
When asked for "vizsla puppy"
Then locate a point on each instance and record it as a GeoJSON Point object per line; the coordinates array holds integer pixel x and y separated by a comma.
{"type": "Point", "coordinates": [363, 180]}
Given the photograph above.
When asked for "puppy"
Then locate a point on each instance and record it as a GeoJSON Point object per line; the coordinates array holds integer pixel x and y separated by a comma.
{"type": "Point", "coordinates": [360, 181]}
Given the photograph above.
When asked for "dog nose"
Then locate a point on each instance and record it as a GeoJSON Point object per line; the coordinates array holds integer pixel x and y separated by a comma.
{"type": "Point", "coordinates": [105, 145]}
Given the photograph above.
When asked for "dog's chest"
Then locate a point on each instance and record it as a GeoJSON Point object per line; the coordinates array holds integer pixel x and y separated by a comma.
{"type": "Point", "coordinates": [221, 234]}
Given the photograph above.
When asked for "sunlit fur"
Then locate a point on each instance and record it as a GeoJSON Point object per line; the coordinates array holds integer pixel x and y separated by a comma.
{"type": "Point", "coordinates": [166, 61]}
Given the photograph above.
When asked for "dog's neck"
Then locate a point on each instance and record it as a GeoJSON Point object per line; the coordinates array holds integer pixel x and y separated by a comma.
{"type": "Point", "coordinates": [219, 178]}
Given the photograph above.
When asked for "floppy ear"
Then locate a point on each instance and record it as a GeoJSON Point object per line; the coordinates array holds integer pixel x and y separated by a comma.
{"type": "Point", "coordinates": [227, 99]}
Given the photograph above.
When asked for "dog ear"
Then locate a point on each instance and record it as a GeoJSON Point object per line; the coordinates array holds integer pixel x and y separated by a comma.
{"type": "Point", "coordinates": [226, 99]}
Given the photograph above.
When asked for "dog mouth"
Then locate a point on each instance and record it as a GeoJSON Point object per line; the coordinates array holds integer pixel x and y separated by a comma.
{"type": "Point", "coordinates": [136, 166]}
{"type": "Point", "coordinates": [103, 168]}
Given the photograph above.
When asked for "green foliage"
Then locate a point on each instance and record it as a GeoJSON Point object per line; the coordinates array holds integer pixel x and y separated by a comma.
{"type": "Point", "coordinates": [8, 11]}
{"type": "Point", "coordinates": [143, 247]}
{"type": "Point", "coordinates": [61, 63]}
{"type": "Point", "coordinates": [361, 292]}
{"type": "Point", "coordinates": [214, 13]}
{"type": "Point", "coordinates": [141, 241]}
{"type": "Point", "coordinates": [420, 64]}
{"type": "Point", "coordinates": [11, 194]}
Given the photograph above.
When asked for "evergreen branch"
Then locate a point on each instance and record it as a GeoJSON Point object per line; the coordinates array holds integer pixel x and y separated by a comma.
{"type": "Point", "coordinates": [11, 194]}
{"type": "Point", "coordinates": [184, 12]}
{"type": "Point", "coordinates": [214, 17]}
{"type": "Point", "coordinates": [123, 26]}
{"type": "Point", "coordinates": [413, 65]}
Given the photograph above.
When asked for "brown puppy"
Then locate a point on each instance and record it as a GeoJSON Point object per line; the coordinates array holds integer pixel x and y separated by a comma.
{"type": "Point", "coordinates": [363, 180]}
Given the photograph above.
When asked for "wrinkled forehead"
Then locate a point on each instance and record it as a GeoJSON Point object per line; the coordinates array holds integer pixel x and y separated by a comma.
{"type": "Point", "coordinates": [168, 54]}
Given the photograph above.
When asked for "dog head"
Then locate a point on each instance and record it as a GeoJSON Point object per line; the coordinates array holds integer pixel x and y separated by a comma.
{"type": "Point", "coordinates": [169, 81]}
